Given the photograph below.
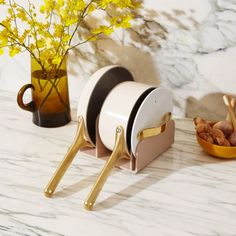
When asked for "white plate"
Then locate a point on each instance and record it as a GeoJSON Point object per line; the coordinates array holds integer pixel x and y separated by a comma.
{"type": "Point", "coordinates": [150, 113]}
{"type": "Point", "coordinates": [119, 109]}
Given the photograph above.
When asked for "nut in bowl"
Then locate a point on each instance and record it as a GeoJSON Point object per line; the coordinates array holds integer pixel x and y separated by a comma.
{"type": "Point", "coordinates": [217, 150]}
{"type": "Point", "coordinates": [218, 138]}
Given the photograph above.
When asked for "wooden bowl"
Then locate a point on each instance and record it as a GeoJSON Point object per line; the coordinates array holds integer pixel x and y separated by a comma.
{"type": "Point", "coordinates": [216, 150]}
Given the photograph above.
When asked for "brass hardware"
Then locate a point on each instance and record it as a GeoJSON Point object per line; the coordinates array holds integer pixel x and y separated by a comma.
{"type": "Point", "coordinates": [79, 142]}
{"type": "Point", "coordinates": [120, 151]}
{"type": "Point", "coordinates": [150, 132]}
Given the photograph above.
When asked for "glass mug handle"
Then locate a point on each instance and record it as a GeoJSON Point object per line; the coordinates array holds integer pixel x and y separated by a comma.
{"type": "Point", "coordinates": [29, 106]}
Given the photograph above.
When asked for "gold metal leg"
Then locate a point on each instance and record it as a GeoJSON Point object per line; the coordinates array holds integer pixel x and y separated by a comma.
{"type": "Point", "coordinates": [79, 142]}
{"type": "Point", "coordinates": [119, 151]}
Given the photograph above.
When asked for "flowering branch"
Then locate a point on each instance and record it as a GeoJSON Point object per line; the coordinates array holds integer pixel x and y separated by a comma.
{"type": "Point", "coordinates": [52, 38]}
{"type": "Point", "coordinates": [48, 41]}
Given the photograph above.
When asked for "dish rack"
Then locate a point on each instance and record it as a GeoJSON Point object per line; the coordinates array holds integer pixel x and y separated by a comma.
{"type": "Point", "coordinates": [147, 150]}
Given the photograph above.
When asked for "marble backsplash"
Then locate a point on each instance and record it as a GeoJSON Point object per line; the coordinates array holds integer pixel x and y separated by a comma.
{"type": "Point", "coordinates": [188, 46]}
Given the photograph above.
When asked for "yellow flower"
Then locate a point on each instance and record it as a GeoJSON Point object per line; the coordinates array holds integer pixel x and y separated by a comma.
{"type": "Point", "coordinates": [10, 11]}
{"type": "Point", "coordinates": [80, 5]}
{"type": "Point", "coordinates": [58, 29]}
{"type": "Point", "coordinates": [66, 38]}
{"type": "Point", "coordinates": [91, 8]}
{"type": "Point", "coordinates": [3, 39]}
{"type": "Point", "coordinates": [56, 60]}
{"type": "Point", "coordinates": [40, 43]}
{"type": "Point", "coordinates": [60, 2]}
{"type": "Point", "coordinates": [125, 23]}
{"type": "Point", "coordinates": [21, 14]}
{"type": "Point", "coordinates": [49, 40]}
{"type": "Point", "coordinates": [48, 43]}
{"type": "Point", "coordinates": [104, 3]}
{"type": "Point", "coordinates": [13, 51]}
{"type": "Point", "coordinates": [71, 20]}
{"type": "Point", "coordinates": [103, 29]}
{"type": "Point", "coordinates": [122, 21]}
{"type": "Point", "coordinates": [1, 49]}
{"type": "Point", "coordinates": [32, 47]}
{"type": "Point", "coordinates": [7, 22]}
{"type": "Point", "coordinates": [42, 9]}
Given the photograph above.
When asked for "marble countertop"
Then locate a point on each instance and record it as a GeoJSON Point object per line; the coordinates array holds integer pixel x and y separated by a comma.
{"type": "Point", "coordinates": [183, 192]}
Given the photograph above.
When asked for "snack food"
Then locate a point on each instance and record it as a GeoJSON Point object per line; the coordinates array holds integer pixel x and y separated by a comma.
{"type": "Point", "coordinates": [221, 133]}
{"type": "Point", "coordinates": [209, 133]}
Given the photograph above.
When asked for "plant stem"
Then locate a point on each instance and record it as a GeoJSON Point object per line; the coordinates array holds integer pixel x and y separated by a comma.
{"type": "Point", "coordinates": [15, 39]}
{"type": "Point", "coordinates": [85, 41]}
{"type": "Point", "coordinates": [50, 18]}
{"type": "Point", "coordinates": [79, 22]}
{"type": "Point", "coordinates": [54, 86]}
{"type": "Point", "coordinates": [13, 14]}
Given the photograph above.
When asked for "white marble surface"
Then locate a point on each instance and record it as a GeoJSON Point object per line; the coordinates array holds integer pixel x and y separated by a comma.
{"type": "Point", "coordinates": [183, 192]}
{"type": "Point", "coordinates": [188, 46]}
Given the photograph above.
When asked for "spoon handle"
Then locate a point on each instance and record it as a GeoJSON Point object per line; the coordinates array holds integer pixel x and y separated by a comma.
{"type": "Point", "coordinates": [233, 104]}
{"type": "Point", "coordinates": [230, 110]}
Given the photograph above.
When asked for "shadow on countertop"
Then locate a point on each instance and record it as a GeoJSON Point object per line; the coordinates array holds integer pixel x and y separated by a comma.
{"type": "Point", "coordinates": [184, 154]}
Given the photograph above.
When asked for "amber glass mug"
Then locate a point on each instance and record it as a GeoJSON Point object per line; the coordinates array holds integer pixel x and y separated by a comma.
{"type": "Point", "coordinates": [50, 103]}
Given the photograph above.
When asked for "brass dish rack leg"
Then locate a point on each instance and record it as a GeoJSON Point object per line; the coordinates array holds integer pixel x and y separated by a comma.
{"type": "Point", "coordinates": [79, 142]}
{"type": "Point", "coordinates": [119, 151]}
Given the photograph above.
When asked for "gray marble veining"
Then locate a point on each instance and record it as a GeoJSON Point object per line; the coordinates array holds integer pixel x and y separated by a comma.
{"type": "Point", "coordinates": [170, 44]}
{"type": "Point", "coordinates": [188, 46]}
{"type": "Point", "coordinates": [183, 192]}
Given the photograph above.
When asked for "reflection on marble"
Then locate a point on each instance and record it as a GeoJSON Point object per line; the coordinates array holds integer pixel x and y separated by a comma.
{"type": "Point", "coordinates": [188, 46]}
{"type": "Point", "coordinates": [183, 192]}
